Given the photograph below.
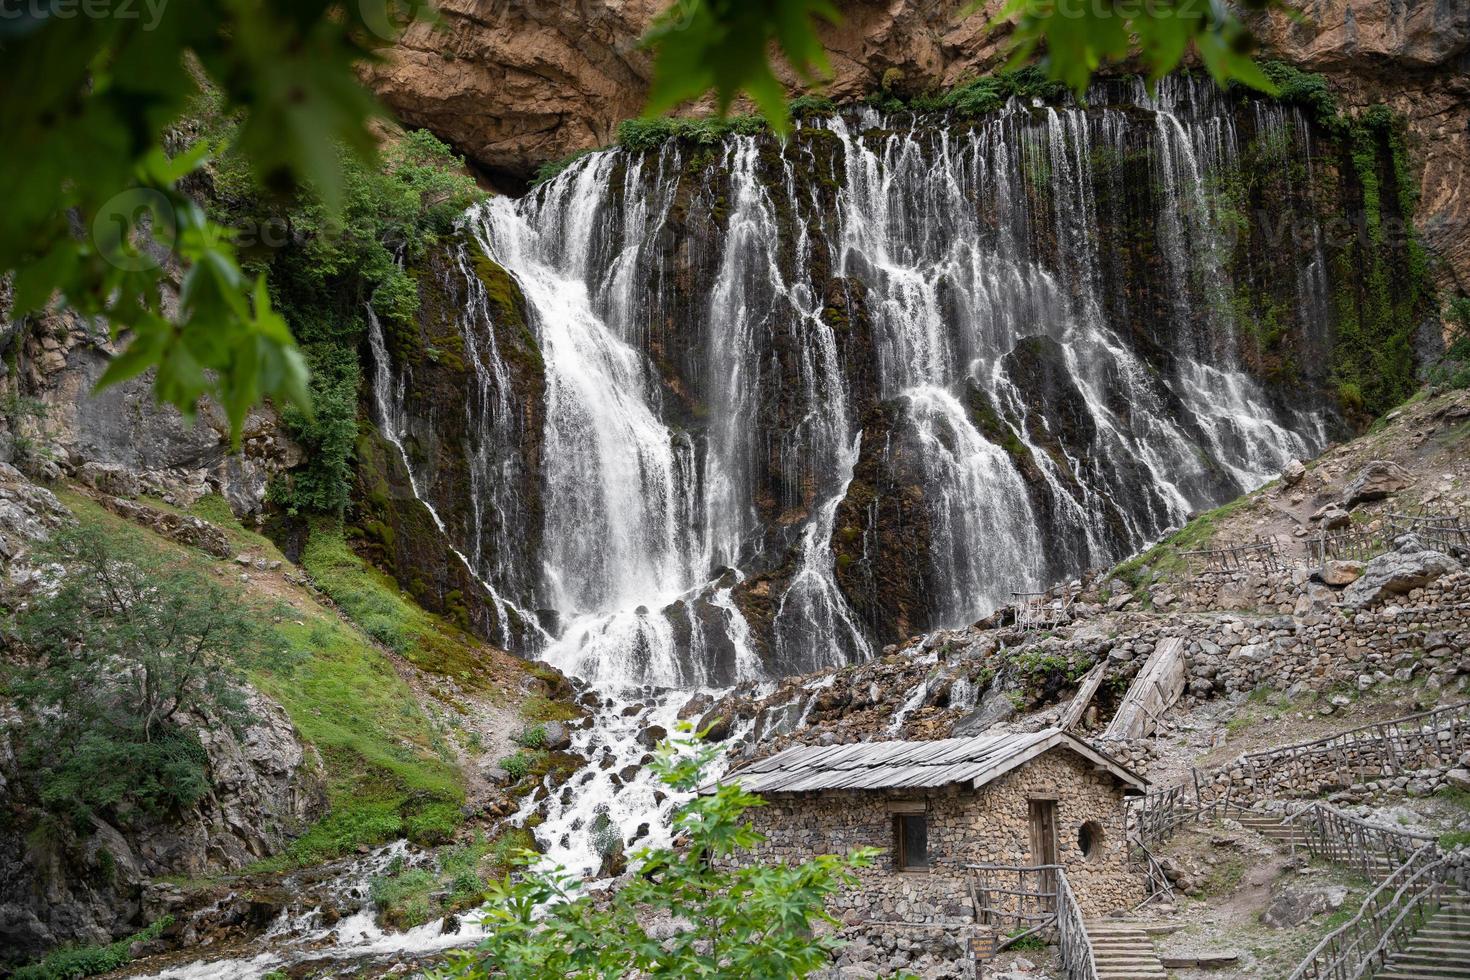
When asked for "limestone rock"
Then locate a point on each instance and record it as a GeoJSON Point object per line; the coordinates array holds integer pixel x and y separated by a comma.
{"type": "Point", "coordinates": [1293, 473]}
{"type": "Point", "coordinates": [1339, 572]}
{"type": "Point", "coordinates": [558, 739]}
{"type": "Point", "coordinates": [1375, 481]}
{"type": "Point", "coordinates": [1294, 904]}
{"type": "Point", "coordinates": [1397, 573]}
{"type": "Point", "coordinates": [1332, 517]}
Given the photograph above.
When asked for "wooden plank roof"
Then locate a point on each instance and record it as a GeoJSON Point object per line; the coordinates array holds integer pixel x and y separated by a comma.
{"type": "Point", "coordinates": [973, 761]}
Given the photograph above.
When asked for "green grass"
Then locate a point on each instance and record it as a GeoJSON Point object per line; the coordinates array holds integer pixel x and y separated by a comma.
{"type": "Point", "coordinates": [1166, 558]}
{"type": "Point", "coordinates": [387, 774]}
{"type": "Point", "coordinates": [372, 600]}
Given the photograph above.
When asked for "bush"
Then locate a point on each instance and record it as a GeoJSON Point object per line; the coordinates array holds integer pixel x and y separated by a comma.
{"type": "Point", "coordinates": [760, 920]}
{"type": "Point", "coordinates": [641, 135]}
{"type": "Point", "coordinates": [533, 737]}
{"type": "Point", "coordinates": [517, 766]}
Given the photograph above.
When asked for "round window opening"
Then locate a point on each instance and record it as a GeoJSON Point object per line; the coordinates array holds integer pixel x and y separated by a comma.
{"type": "Point", "coordinates": [1089, 840]}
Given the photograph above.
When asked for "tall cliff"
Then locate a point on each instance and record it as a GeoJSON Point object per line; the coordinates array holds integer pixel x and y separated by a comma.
{"type": "Point", "coordinates": [512, 85]}
{"type": "Point", "coordinates": [709, 408]}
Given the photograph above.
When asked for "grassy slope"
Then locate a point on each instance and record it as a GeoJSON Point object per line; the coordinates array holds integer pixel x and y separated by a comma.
{"type": "Point", "coordinates": [389, 770]}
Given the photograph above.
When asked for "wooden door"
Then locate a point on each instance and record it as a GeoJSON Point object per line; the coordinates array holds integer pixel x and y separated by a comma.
{"type": "Point", "coordinates": [1044, 845]}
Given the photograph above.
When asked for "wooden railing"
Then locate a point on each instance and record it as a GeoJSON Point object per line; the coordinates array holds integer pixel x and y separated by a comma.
{"type": "Point", "coordinates": [1264, 554]}
{"type": "Point", "coordinates": [1344, 839]}
{"type": "Point", "coordinates": [1072, 939]}
{"type": "Point", "coordinates": [1380, 749]}
{"type": "Point", "coordinates": [1041, 610]}
{"type": "Point", "coordinates": [1026, 900]}
{"type": "Point", "coordinates": [1156, 882]}
{"type": "Point", "coordinates": [1389, 915]}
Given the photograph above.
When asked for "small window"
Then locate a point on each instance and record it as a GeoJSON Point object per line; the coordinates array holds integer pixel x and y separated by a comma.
{"type": "Point", "coordinates": [911, 842]}
{"type": "Point", "coordinates": [1089, 840]}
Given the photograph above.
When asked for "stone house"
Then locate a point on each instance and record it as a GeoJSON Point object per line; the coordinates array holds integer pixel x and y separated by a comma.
{"type": "Point", "coordinates": [935, 808]}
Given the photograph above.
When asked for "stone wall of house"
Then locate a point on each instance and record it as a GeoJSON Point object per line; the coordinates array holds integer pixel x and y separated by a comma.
{"type": "Point", "coordinates": [988, 826]}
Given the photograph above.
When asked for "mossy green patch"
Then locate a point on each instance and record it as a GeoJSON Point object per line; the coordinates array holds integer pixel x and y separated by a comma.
{"type": "Point", "coordinates": [372, 600]}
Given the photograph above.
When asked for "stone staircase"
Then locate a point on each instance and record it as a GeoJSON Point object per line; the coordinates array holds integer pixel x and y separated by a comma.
{"type": "Point", "coordinates": [1438, 951]}
{"type": "Point", "coordinates": [1123, 950]}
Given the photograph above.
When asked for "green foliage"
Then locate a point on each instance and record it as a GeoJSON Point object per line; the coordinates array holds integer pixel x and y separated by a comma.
{"type": "Point", "coordinates": [1073, 41]}
{"type": "Point", "coordinates": [74, 962]}
{"type": "Point", "coordinates": [533, 737]}
{"type": "Point", "coordinates": [98, 208]}
{"type": "Point", "coordinates": [723, 46]}
{"type": "Point", "coordinates": [809, 106]}
{"type": "Point", "coordinates": [324, 265]}
{"type": "Point", "coordinates": [328, 434]}
{"type": "Point", "coordinates": [1306, 89]}
{"type": "Point", "coordinates": [402, 897]}
{"type": "Point", "coordinates": [753, 921]}
{"type": "Point", "coordinates": [983, 95]}
{"type": "Point", "coordinates": [516, 766]}
{"type": "Point", "coordinates": [114, 668]}
{"type": "Point", "coordinates": [1032, 943]}
{"type": "Point", "coordinates": [640, 135]}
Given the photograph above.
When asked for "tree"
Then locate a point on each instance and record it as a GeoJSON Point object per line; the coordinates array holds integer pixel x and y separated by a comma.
{"type": "Point", "coordinates": [112, 661]}
{"type": "Point", "coordinates": [730, 921]}
{"type": "Point", "coordinates": [95, 219]}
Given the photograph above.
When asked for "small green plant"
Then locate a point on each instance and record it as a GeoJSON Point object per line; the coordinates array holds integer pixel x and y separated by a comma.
{"type": "Point", "coordinates": [532, 738]}
{"type": "Point", "coordinates": [516, 766]}
{"type": "Point", "coordinates": [1031, 943]}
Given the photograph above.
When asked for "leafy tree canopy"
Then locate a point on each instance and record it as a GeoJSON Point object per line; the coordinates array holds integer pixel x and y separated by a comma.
{"type": "Point", "coordinates": [95, 218]}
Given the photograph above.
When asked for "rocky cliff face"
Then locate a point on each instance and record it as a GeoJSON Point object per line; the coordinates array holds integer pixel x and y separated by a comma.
{"type": "Point", "coordinates": [62, 884]}
{"type": "Point", "coordinates": [513, 85]}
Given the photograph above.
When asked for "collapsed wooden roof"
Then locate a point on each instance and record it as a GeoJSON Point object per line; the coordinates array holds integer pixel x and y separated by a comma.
{"type": "Point", "coordinates": [972, 761]}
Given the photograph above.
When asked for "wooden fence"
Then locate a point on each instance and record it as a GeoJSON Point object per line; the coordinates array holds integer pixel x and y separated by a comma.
{"type": "Point", "coordinates": [1381, 749]}
{"type": "Point", "coordinates": [1026, 900]}
{"type": "Point", "coordinates": [1350, 544]}
{"type": "Point", "coordinates": [1264, 554]}
{"type": "Point", "coordinates": [1041, 610]}
{"type": "Point", "coordinates": [1449, 533]}
{"type": "Point", "coordinates": [1343, 839]}
{"type": "Point", "coordinates": [1390, 914]}
{"type": "Point", "coordinates": [1419, 741]}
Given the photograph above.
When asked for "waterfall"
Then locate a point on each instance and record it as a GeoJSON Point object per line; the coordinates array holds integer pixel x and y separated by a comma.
{"type": "Point", "coordinates": [754, 351]}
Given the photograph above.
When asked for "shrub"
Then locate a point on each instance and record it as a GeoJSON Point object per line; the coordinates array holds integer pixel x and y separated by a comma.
{"type": "Point", "coordinates": [533, 737]}
{"type": "Point", "coordinates": [516, 766]}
